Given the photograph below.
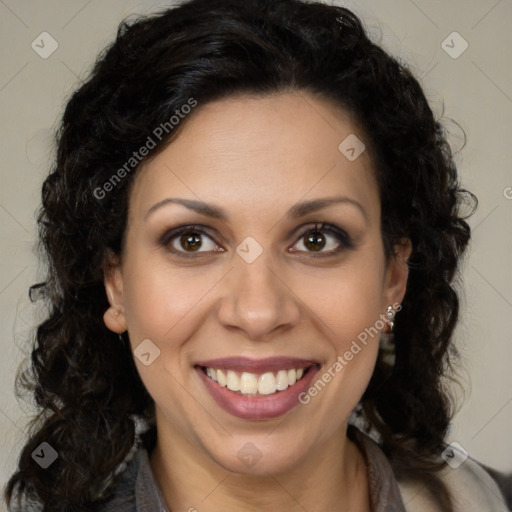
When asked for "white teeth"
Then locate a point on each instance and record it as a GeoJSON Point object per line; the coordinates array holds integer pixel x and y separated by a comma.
{"type": "Point", "coordinates": [233, 382]}
{"type": "Point", "coordinates": [248, 383]}
{"type": "Point", "coordinates": [221, 378]}
{"type": "Point", "coordinates": [282, 380]}
{"type": "Point", "coordinates": [267, 384]}
{"type": "Point", "coordinates": [252, 383]}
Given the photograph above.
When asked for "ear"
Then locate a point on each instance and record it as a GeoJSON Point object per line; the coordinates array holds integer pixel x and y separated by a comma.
{"type": "Point", "coordinates": [395, 280]}
{"type": "Point", "coordinates": [114, 317]}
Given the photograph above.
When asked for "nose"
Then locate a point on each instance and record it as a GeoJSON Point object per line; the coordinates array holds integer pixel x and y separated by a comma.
{"type": "Point", "coordinates": [257, 301]}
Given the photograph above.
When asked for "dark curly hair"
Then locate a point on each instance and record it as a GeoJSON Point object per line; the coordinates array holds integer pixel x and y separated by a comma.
{"type": "Point", "coordinates": [86, 387]}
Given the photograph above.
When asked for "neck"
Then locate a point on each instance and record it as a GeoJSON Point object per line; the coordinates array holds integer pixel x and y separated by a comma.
{"type": "Point", "coordinates": [331, 477]}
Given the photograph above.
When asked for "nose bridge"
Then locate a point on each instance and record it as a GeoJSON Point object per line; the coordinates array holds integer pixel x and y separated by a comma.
{"type": "Point", "coordinates": [255, 299]}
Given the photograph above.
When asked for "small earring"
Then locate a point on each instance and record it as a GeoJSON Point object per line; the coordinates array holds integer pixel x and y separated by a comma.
{"type": "Point", "coordinates": [387, 345]}
{"type": "Point", "coordinates": [390, 313]}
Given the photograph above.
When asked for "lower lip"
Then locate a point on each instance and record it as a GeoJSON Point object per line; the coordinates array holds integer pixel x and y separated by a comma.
{"type": "Point", "coordinates": [260, 407]}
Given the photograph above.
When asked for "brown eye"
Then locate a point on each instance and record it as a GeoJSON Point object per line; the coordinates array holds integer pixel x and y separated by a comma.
{"type": "Point", "coordinates": [187, 240]}
{"type": "Point", "coordinates": [324, 236]}
{"type": "Point", "coordinates": [315, 241]}
{"type": "Point", "coordinates": [191, 242]}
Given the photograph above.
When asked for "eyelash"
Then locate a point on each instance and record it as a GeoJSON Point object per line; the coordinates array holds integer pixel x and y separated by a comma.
{"type": "Point", "coordinates": [342, 236]}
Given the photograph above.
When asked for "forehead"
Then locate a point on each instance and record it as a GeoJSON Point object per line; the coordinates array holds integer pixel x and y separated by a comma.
{"type": "Point", "coordinates": [256, 152]}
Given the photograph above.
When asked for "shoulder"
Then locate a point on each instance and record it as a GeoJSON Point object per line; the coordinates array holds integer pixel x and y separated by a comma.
{"type": "Point", "coordinates": [137, 489]}
{"type": "Point", "coordinates": [473, 487]}
{"type": "Point", "coordinates": [123, 498]}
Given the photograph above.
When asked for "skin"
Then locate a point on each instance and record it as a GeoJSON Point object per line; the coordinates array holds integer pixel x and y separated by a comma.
{"type": "Point", "coordinates": [255, 157]}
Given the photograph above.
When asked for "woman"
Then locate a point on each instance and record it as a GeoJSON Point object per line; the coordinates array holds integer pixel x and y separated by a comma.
{"type": "Point", "coordinates": [252, 228]}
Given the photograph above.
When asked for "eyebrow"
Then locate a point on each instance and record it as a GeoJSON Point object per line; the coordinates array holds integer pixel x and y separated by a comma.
{"type": "Point", "coordinates": [296, 211]}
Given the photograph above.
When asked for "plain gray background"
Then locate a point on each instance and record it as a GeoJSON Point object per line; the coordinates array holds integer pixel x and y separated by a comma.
{"type": "Point", "coordinates": [476, 88]}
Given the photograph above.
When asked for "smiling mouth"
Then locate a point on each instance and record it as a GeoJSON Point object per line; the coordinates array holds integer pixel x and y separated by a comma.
{"type": "Point", "coordinates": [255, 384]}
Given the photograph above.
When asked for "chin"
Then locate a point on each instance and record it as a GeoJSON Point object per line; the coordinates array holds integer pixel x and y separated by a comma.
{"type": "Point", "coordinates": [258, 455]}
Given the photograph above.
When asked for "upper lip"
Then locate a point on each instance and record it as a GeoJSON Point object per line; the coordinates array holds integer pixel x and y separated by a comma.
{"type": "Point", "coordinates": [245, 364]}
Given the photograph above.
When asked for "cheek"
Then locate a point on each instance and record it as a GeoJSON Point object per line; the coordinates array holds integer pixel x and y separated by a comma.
{"type": "Point", "coordinates": [161, 304]}
{"type": "Point", "coordinates": [351, 315]}
{"type": "Point", "coordinates": [158, 298]}
{"type": "Point", "coordinates": [349, 311]}
{"type": "Point", "coordinates": [348, 301]}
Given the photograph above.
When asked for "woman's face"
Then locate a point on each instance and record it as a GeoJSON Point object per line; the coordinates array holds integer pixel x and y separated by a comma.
{"type": "Point", "coordinates": [254, 288]}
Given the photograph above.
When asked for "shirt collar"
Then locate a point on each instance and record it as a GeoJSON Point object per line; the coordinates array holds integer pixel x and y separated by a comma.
{"type": "Point", "coordinates": [147, 492]}
{"type": "Point", "coordinates": [385, 493]}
